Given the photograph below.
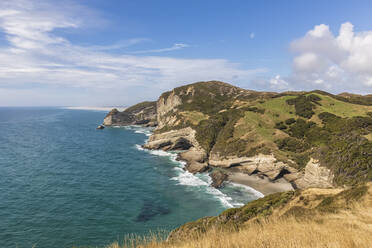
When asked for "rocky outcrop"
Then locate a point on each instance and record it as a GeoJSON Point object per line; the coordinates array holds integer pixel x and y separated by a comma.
{"type": "Point", "coordinates": [266, 165]}
{"type": "Point", "coordinates": [214, 124]}
{"type": "Point", "coordinates": [166, 104]}
{"type": "Point", "coordinates": [181, 139]}
{"type": "Point", "coordinates": [315, 176]}
{"type": "Point", "coordinates": [194, 154]}
{"type": "Point", "coordinates": [218, 178]}
{"type": "Point", "coordinates": [140, 114]}
{"type": "Point", "coordinates": [196, 167]}
{"type": "Point", "coordinates": [100, 127]}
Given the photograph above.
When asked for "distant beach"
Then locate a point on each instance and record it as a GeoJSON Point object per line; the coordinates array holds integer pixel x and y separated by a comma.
{"type": "Point", "coordinates": [96, 108]}
{"type": "Point", "coordinates": [263, 185]}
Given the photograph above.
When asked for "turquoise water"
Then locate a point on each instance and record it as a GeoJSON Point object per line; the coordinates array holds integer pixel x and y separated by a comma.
{"type": "Point", "coordinates": [63, 183]}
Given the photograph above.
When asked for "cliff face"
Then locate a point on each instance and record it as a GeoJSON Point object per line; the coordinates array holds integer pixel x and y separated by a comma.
{"type": "Point", "coordinates": [165, 105]}
{"type": "Point", "coordinates": [140, 114]}
{"type": "Point", "coordinates": [310, 139]}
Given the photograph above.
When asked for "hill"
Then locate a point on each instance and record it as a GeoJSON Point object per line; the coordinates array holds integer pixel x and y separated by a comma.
{"type": "Point", "coordinates": [309, 139]}
{"type": "Point", "coordinates": [318, 143]}
{"type": "Point", "coordinates": [302, 218]}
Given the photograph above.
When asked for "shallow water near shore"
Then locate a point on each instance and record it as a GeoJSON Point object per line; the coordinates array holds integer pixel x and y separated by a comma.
{"type": "Point", "coordinates": [63, 183]}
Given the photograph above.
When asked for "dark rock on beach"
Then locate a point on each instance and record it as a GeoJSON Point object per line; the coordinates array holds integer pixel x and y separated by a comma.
{"type": "Point", "coordinates": [218, 178]}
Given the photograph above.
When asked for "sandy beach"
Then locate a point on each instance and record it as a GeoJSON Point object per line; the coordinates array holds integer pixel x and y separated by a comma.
{"type": "Point", "coordinates": [96, 108]}
{"type": "Point", "coordinates": [262, 185]}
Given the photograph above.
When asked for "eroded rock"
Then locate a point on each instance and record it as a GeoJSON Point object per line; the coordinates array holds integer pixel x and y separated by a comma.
{"type": "Point", "coordinates": [196, 167]}
{"type": "Point", "coordinates": [218, 178]}
{"type": "Point", "coordinates": [315, 176]}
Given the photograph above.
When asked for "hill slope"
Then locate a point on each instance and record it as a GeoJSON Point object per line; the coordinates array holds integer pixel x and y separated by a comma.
{"type": "Point", "coordinates": [310, 139]}
{"type": "Point", "coordinates": [308, 218]}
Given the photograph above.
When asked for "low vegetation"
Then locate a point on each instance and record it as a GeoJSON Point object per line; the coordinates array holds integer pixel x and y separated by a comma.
{"type": "Point", "coordinates": [230, 121]}
{"type": "Point", "coordinates": [309, 218]}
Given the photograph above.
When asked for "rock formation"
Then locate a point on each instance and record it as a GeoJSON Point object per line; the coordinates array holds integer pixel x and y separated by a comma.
{"type": "Point", "coordinates": [218, 178]}
{"type": "Point", "coordinates": [276, 136]}
{"type": "Point", "coordinates": [140, 114]}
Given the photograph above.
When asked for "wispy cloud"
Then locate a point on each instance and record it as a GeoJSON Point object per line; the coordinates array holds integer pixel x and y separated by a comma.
{"type": "Point", "coordinates": [36, 55]}
{"type": "Point", "coordinates": [120, 44]}
{"type": "Point", "coordinates": [176, 46]}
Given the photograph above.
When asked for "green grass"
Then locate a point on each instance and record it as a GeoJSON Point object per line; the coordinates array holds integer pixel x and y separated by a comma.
{"type": "Point", "coordinates": [194, 116]}
{"type": "Point", "coordinates": [140, 106]}
{"type": "Point", "coordinates": [340, 108]}
{"type": "Point", "coordinates": [277, 109]}
{"type": "Point", "coordinates": [232, 123]}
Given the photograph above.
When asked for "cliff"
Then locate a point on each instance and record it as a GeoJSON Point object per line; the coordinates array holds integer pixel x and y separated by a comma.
{"type": "Point", "coordinates": [318, 142]}
{"type": "Point", "coordinates": [143, 113]}
{"type": "Point", "coordinates": [309, 139]}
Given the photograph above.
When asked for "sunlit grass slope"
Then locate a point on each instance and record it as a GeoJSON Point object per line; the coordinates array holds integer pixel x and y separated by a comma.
{"type": "Point", "coordinates": [309, 218]}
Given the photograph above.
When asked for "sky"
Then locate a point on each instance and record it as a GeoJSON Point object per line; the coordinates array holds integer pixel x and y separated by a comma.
{"type": "Point", "coordinates": [120, 52]}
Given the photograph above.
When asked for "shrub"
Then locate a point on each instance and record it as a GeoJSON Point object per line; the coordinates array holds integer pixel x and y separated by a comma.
{"type": "Point", "coordinates": [325, 116]}
{"type": "Point", "coordinates": [254, 109]}
{"type": "Point", "coordinates": [314, 98]}
{"type": "Point", "coordinates": [280, 125]}
{"type": "Point", "coordinates": [300, 128]}
{"type": "Point", "coordinates": [290, 121]}
{"type": "Point", "coordinates": [304, 105]}
{"type": "Point", "coordinates": [292, 144]}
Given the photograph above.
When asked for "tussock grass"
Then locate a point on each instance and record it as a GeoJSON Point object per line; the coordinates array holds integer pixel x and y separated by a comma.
{"type": "Point", "coordinates": [336, 230]}
{"type": "Point", "coordinates": [311, 225]}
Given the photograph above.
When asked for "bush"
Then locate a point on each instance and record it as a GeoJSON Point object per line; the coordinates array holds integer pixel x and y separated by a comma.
{"type": "Point", "coordinates": [314, 98]}
{"type": "Point", "coordinates": [304, 105]}
{"type": "Point", "coordinates": [218, 128]}
{"type": "Point", "coordinates": [280, 125]}
{"type": "Point", "coordinates": [300, 128]}
{"type": "Point", "coordinates": [290, 121]}
{"type": "Point", "coordinates": [254, 109]}
{"type": "Point", "coordinates": [325, 116]}
{"type": "Point", "coordinates": [292, 144]}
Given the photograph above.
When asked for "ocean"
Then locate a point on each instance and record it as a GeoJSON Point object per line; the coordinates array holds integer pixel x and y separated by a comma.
{"type": "Point", "coordinates": [63, 183]}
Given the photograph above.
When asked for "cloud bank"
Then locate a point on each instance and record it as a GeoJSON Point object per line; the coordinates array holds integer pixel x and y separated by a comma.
{"type": "Point", "coordinates": [36, 62]}
{"type": "Point", "coordinates": [325, 61]}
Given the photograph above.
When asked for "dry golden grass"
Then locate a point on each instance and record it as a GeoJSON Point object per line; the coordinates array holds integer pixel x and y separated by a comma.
{"type": "Point", "coordinates": [345, 229]}
{"type": "Point", "coordinates": [350, 227]}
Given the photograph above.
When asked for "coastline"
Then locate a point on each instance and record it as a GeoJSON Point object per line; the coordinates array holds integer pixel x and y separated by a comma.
{"type": "Point", "coordinates": [262, 185]}
{"type": "Point", "coordinates": [258, 186]}
{"type": "Point", "coordinates": [202, 179]}
{"type": "Point", "coordinates": [106, 109]}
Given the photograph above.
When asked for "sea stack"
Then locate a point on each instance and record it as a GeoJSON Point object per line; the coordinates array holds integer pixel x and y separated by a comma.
{"type": "Point", "coordinates": [100, 127]}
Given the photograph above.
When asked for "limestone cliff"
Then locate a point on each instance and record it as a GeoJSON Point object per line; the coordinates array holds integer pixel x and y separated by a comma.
{"type": "Point", "coordinates": [140, 114]}
{"type": "Point", "coordinates": [309, 139]}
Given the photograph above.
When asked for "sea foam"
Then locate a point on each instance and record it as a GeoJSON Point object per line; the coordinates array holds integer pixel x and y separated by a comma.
{"type": "Point", "coordinates": [200, 181]}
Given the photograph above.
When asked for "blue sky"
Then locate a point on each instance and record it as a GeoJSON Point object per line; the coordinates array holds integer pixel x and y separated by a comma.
{"type": "Point", "coordinates": [117, 52]}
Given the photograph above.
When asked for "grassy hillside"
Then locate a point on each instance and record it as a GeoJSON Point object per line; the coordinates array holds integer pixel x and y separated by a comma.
{"type": "Point", "coordinates": [309, 218]}
{"type": "Point", "coordinates": [336, 130]}
{"type": "Point", "coordinates": [294, 126]}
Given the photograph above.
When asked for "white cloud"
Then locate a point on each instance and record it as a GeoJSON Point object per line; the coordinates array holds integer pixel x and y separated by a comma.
{"type": "Point", "coordinates": [278, 83]}
{"type": "Point", "coordinates": [336, 63]}
{"type": "Point", "coordinates": [37, 58]}
{"type": "Point", "coordinates": [252, 35]}
{"type": "Point", "coordinates": [120, 44]}
{"type": "Point", "coordinates": [176, 46]}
